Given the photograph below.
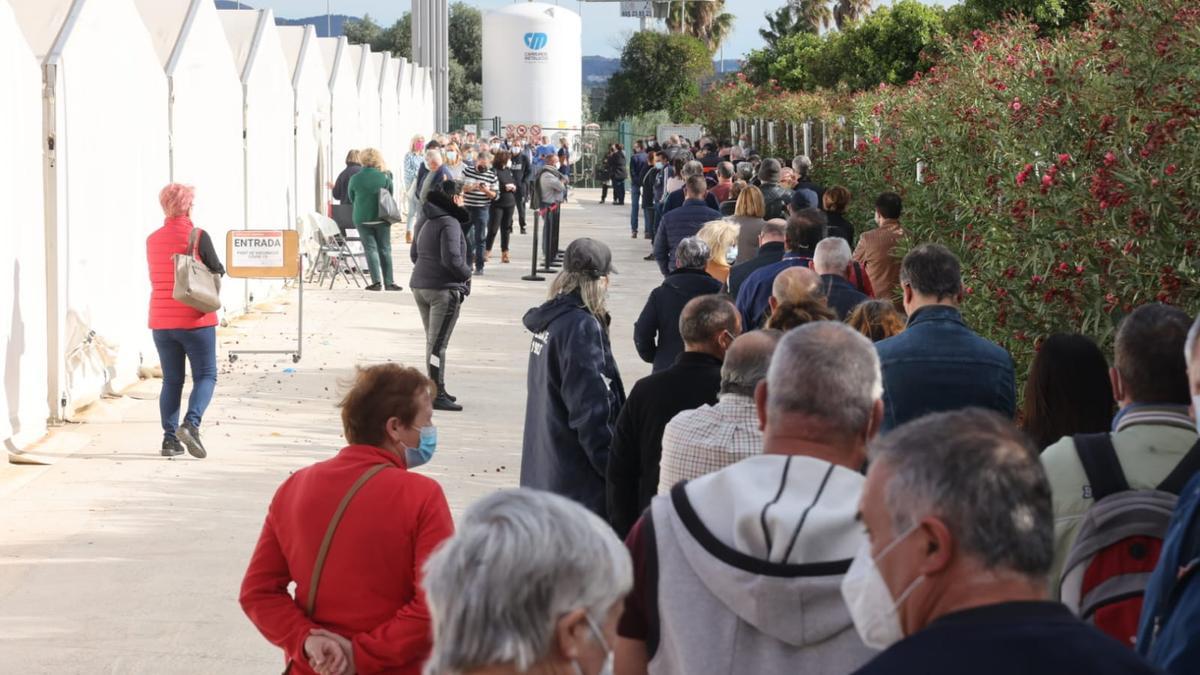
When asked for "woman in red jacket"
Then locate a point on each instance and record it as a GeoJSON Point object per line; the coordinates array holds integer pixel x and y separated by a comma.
{"type": "Point", "coordinates": [181, 332]}
{"type": "Point", "coordinates": [363, 610]}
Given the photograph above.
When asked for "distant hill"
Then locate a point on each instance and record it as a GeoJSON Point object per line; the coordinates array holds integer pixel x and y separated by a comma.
{"type": "Point", "coordinates": [597, 69]}
{"type": "Point", "coordinates": [326, 27]}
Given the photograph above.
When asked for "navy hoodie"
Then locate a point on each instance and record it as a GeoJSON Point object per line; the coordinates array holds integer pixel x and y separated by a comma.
{"type": "Point", "coordinates": [574, 396]}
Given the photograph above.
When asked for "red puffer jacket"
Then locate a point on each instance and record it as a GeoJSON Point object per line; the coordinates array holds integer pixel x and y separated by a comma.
{"type": "Point", "coordinates": [165, 311]}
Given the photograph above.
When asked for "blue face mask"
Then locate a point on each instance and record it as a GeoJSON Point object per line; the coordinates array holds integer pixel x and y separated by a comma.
{"type": "Point", "coordinates": [424, 451]}
{"type": "Point", "coordinates": [658, 165]}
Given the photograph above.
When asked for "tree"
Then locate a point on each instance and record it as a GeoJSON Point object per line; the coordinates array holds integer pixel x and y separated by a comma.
{"type": "Point", "coordinates": [815, 13]}
{"type": "Point", "coordinates": [466, 39]}
{"type": "Point", "coordinates": [850, 11]}
{"type": "Point", "coordinates": [707, 21]}
{"type": "Point", "coordinates": [659, 71]}
{"type": "Point", "coordinates": [1049, 15]}
{"type": "Point", "coordinates": [362, 31]}
{"type": "Point", "coordinates": [783, 23]}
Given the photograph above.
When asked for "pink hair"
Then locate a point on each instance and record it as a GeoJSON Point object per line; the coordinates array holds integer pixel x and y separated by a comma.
{"type": "Point", "coordinates": [176, 199]}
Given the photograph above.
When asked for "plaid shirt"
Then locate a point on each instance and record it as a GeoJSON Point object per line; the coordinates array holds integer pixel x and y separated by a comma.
{"type": "Point", "coordinates": [709, 438]}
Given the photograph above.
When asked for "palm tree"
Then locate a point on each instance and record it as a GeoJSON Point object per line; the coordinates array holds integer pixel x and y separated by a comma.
{"type": "Point", "coordinates": [815, 13]}
{"type": "Point", "coordinates": [850, 11]}
{"type": "Point", "coordinates": [707, 21]}
{"type": "Point", "coordinates": [781, 24]}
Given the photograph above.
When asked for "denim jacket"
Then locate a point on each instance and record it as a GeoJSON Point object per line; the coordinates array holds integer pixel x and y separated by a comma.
{"type": "Point", "coordinates": [940, 364]}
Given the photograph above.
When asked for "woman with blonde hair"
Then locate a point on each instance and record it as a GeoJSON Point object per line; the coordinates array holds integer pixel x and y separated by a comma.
{"type": "Point", "coordinates": [412, 168]}
{"type": "Point", "coordinates": [454, 162]}
{"type": "Point", "coordinates": [375, 232]}
{"type": "Point", "coordinates": [722, 239]}
{"type": "Point", "coordinates": [749, 215]}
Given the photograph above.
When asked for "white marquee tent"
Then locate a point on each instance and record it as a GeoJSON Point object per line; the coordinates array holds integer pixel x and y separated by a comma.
{"type": "Point", "coordinates": [102, 178]}
{"type": "Point", "coordinates": [343, 91]}
{"type": "Point", "coordinates": [23, 401]}
{"type": "Point", "coordinates": [310, 83]}
{"type": "Point", "coordinates": [368, 96]}
{"type": "Point", "coordinates": [267, 121]}
{"type": "Point", "coordinates": [389, 120]}
{"type": "Point", "coordinates": [204, 116]}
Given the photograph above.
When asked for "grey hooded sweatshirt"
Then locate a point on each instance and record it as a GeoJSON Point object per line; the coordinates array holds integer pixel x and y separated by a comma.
{"type": "Point", "coordinates": [741, 571]}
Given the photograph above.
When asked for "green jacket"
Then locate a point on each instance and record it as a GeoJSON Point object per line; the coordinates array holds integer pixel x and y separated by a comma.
{"type": "Point", "coordinates": [1150, 441]}
{"type": "Point", "coordinates": [364, 193]}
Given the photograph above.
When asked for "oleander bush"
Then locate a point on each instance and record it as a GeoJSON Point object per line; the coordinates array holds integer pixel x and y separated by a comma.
{"type": "Point", "coordinates": [1065, 170]}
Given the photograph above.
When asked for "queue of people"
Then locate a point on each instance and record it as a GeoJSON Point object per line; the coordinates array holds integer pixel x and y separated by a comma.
{"type": "Point", "coordinates": [826, 470]}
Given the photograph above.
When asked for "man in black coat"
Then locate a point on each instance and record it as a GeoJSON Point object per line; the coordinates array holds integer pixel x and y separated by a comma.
{"type": "Point", "coordinates": [656, 333]}
{"type": "Point", "coordinates": [775, 197]}
{"type": "Point", "coordinates": [770, 251]}
{"type": "Point", "coordinates": [831, 259]}
{"type": "Point", "coordinates": [683, 222]}
{"type": "Point", "coordinates": [709, 324]}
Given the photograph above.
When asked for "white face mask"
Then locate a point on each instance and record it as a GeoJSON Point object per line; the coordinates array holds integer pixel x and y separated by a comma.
{"type": "Point", "coordinates": [874, 612]}
{"type": "Point", "coordinates": [731, 254]}
{"type": "Point", "coordinates": [607, 668]}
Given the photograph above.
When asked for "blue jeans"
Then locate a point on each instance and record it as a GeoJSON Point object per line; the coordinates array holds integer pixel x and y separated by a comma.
{"type": "Point", "coordinates": [199, 347]}
{"type": "Point", "coordinates": [477, 236]}
{"type": "Point", "coordinates": [377, 245]}
{"type": "Point", "coordinates": [635, 194]}
{"type": "Point", "coordinates": [414, 206]}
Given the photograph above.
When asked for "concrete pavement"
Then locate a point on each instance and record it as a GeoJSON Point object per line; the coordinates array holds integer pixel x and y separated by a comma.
{"type": "Point", "coordinates": [115, 560]}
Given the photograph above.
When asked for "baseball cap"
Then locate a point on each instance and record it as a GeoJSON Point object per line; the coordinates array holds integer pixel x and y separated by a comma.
{"type": "Point", "coordinates": [588, 256]}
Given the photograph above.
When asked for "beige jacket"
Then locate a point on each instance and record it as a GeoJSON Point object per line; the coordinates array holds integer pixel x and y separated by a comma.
{"type": "Point", "coordinates": [876, 253]}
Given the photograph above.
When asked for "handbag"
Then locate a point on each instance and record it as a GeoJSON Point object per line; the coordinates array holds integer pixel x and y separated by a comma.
{"type": "Point", "coordinates": [388, 209]}
{"type": "Point", "coordinates": [319, 566]}
{"type": "Point", "coordinates": [195, 285]}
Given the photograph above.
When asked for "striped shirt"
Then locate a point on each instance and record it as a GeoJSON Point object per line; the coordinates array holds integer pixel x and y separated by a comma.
{"type": "Point", "coordinates": [708, 439]}
{"type": "Point", "coordinates": [471, 176]}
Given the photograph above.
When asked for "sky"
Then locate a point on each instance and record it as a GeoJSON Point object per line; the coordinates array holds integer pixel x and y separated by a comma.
{"type": "Point", "coordinates": [603, 26]}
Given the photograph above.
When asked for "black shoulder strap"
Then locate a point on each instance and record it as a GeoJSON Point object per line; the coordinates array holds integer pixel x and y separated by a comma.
{"type": "Point", "coordinates": [1183, 471]}
{"type": "Point", "coordinates": [1100, 463]}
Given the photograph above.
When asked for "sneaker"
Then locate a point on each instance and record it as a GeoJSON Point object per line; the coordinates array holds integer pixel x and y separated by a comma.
{"type": "Point", "coordinates": [394, 287]}
{"type": "Point", "coordinates": [635, 235]}
{"type": "Point", "coordinates": [504, 257]}
{"type": "Point", "coordinates": [171, 447]}
{"type": "Point", "coordinates": [649, 257]}
{"type": "Point", "coordinates": [374, 287]}
{"type": "Point", "coordinates": [444, 403]}
{"type": "Point", "coordinates": [190, 436]}
{"type": "Point", "coordinates": [523, 230]}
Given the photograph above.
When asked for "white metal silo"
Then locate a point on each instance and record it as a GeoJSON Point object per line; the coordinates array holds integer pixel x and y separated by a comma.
{"type": "Point", "coordinates": [532, 66]}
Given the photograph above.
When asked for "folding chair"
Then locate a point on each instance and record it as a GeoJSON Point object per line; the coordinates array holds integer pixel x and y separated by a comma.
{"type": "Point", "coordinates": [335, 256]}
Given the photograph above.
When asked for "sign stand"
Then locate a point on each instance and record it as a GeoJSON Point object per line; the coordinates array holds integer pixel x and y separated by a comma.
{"type": "Point", "coordinates": [267, 254]}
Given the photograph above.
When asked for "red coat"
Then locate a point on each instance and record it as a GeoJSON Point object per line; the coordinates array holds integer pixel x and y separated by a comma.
{"type": "Point", "coordinates": [368, 591]}
{"type": "Point", "coordinates": [165, 311]}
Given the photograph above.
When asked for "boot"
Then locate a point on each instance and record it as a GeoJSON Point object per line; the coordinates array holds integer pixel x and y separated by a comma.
{"type": "Point", "coordinates": [408, 237]}
{"type": "Point", "coordinates": [504, 257]}
{"type": "Point", "coordinates": [443, 401]}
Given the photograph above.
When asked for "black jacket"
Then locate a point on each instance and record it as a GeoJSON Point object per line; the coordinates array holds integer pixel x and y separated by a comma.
{"type": "Point", "coordinates": [341, 187]}
{"type": "Point", "coordinates": [656, 332]}
{"type": "Point", "coordinates": [520, 167]}
{"type": "Point", "coordinates": [841, 296]}
{"type": "Point", "coordinates": [768, 254]}
{"type": "Point", "coordinates": [632, 478]}
{"type": "Point", "coordinates": [439, 248]}
{"type": "Point", "coordinates": [504, 197]}
{"type": "Point", "coordinates": [574, 396]}
{"type": "Point", "coordinates": [840, 227]}
{"type": "Point", "coordinates": [616, 166]}
{"type": "Point", "coordinates": [776, 198]}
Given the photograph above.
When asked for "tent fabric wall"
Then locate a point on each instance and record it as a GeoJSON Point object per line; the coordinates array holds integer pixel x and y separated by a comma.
{"type": "Point", "coordinates": [343, 107]}
{"type": "Point", "coordinates": [205, 116]}
{"type": "Point", "coordinates": [23, 400]}
{"type": "Point", "coordinates": [389, 141]}
{"type": "Point", "coordinates": [368, 96]}
{"type": "Point", "coordinates": [102, 181]}
{"type": "Point", "coordinates": [310, 82]}
{"type": "Point", "coordinates": [268, 123]}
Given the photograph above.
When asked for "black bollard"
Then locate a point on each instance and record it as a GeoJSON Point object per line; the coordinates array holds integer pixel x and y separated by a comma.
{"type": "Point", "coordinates": [533, 269]}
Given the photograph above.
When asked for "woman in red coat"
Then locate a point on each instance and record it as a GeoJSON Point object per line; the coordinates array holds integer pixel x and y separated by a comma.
{"type": "Point", "coordinates": [181, 332]}
{"type": "Point", "coordinates": [364, 612]}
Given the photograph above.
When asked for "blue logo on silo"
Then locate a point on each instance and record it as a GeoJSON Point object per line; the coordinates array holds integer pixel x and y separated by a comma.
{"type": "Point", "coordinates": [536, 41]}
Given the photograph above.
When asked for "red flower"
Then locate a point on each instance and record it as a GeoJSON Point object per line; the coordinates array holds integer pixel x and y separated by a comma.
{"type": "Point", "coordinates": [1016, 105]}
{"type": "Point", "coordinates": [1064, 159]}
{"type": "Point", "coordinates": [1109, 158]}
{"type": "Point", "coordinates": [1047, 180]}
{"type": "Point", "coordinates": [1171, 169]}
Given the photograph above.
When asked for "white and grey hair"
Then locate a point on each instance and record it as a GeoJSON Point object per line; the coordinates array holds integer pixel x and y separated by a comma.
{"type": "Point", "coordinates": [832, 256]}
{"type": "Point", "coordinates": [692, 253]}
{"type": "Point", "coordinates": [828, 371]}
{"type": "Point", "coordinates": [435, 153]}
{"type": "Point", "coordinates": [747, 361]}
{"type": "Point", "coordinates": [692, 168]}
{"type": "Point", "coordinates": [979, 475]}
{"type": "Point", "coordinates": [520, 560]}
{"type": "Point", "coordinates": [802, 165]}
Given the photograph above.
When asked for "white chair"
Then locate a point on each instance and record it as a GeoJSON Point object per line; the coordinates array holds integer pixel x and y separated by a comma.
{"type": "Point", "coordinates": [335, 255]}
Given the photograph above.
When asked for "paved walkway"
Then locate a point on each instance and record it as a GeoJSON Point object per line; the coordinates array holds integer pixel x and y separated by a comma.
{"type": "Point", "coordinates": [114, 560]}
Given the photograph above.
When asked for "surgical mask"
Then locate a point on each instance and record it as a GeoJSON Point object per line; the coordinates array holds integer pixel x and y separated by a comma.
{"type": "Point", "coordinates": [1196, 411]}
{"type": "Point", "coordinates": [731, 254]}
{"type": "Point", "coordinates": [424, 451]}
{"type": "Point", "coordinates": [658, 165]}
{"type": "Point", "coordinates": [418, 146]}
{"type": "Point", "coordinates": [451, 155]}
{"type": "Point", "coordinates": [495, 147]}
{"type": "Point", "coordinates": [607, 668]}
{"type": "Point", "coordinates": [874, 612]}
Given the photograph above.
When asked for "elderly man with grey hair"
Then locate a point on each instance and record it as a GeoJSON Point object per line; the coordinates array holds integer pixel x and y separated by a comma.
{"type": "Point", "coordinates": [656, 331]}
{"type": "Point", "coordinates": [546, 599]}
{"type": "Point", "coordinates": [711, 437]}
{"type": "Point", "coordinates": [831, 260]}
{"type": "Point", "coordinates": [960, 539]}
{"type": "Point", "coordinates": [676, 198]}
{"type": "Point", "coordinates": [740, 570]}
